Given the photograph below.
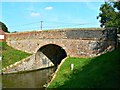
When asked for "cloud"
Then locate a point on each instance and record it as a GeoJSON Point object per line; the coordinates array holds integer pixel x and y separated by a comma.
{"type": "Point", "coordinates": [34, 14]}
{"type": "Point", "coordinates": [49, 8]}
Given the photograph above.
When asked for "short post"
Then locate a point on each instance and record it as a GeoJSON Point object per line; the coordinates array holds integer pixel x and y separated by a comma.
{"type": "Point", "coordinates": [0, 58]}
{"type": "Point", "coordinates": [72, 66]}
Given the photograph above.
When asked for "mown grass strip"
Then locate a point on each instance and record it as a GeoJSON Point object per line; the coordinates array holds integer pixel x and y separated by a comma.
{"type": "Point", "coordinates": [100, 72]}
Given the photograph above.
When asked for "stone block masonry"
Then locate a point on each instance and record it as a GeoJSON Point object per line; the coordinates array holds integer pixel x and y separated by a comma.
{"type": "Point", "coordinates": [30, 63]}
{"type": "Point", "coordinates": [49, 47]}
{"type": "Point", "coordinates": [77, 42]}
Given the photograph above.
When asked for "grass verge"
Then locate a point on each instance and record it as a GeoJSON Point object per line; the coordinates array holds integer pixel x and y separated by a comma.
{"type": "Point", "coordinates": [10, 55]}
{"type": "Point", "coordinates": [99, 72]}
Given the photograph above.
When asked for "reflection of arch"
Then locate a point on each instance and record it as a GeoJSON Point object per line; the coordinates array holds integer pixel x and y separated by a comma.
{"type": "Point", "coordinates": [54, 52]}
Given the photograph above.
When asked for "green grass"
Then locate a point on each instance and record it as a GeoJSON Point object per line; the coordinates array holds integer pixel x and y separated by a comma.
{"type": "Point", "coordinates": [100, 72]}
{"type": "Point", "coordinates": [10, 55]}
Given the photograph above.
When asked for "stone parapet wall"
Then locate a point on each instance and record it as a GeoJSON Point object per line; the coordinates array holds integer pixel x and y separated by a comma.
{"type": "Point", "coordinates": [36, 35]}
{"type": "Point", "coordinates": [63, 34]}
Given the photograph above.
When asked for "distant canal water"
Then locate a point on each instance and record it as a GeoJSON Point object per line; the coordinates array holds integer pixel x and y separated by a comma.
{"type": "Point", "coordinates": [34, 79]}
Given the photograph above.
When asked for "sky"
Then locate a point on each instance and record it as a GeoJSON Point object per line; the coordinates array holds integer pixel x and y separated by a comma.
{"type": "Point", "coordinates": [27, 16]}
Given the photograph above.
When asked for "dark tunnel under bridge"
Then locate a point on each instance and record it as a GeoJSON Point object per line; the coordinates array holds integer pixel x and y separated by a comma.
{"type": "Point", "coordinates": [54, 52]}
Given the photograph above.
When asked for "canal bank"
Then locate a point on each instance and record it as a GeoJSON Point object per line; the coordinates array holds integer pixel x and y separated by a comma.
{"type": "Point", "coordinates": [56, 72]}
{"type": "Point", "coordinates": [33, 62]}
{"type": "Point", "coordinates": [98, 72]}
{"type": "Point", "coordinates": [34, 79]}
{"type": "Point", "coordinates": [40, 78]}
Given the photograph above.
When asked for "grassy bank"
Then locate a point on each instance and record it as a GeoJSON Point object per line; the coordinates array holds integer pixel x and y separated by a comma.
{"type": "Point", "coordinates": [100, 72]}
{"type": "Point", "coordinates": [10, 55]}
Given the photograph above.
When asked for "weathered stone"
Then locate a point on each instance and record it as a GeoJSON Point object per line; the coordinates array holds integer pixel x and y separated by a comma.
{"type": "Point", "coordinates": [75, 42]}
{"type": "Point", "coordinates": [32, 64]}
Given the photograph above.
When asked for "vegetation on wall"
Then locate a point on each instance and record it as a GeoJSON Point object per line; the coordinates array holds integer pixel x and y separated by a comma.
{"type": "Point", "coordinates": [10, 55]}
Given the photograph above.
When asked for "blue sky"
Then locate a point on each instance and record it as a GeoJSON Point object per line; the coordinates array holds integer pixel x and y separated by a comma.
{"type": "Point", "coordinates": [26, 16]}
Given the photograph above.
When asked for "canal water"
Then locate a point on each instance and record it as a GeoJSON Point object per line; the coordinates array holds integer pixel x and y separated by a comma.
{"type": "Point", "coordinates": [34, 79]}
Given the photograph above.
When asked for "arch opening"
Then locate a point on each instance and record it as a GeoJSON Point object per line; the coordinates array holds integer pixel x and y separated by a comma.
{"type": "Point", "coordinates": [54, 52]}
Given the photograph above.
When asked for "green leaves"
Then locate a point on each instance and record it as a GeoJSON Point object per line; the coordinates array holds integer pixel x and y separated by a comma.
{"type": "Point", "coordinates": [110, 15]}
{"type": "Point", "coordinates": [3, 27]}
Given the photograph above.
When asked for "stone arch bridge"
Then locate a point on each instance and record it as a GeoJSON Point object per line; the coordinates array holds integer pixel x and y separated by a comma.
{"type": "Point", "coordinates": [54, 45]}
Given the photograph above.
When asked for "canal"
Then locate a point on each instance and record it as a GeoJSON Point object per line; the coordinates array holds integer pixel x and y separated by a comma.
{"type": "Point", "coordinates": [34, 79]}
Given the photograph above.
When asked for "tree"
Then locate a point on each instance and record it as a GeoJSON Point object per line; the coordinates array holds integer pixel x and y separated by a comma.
{"type": "Point", "coordinates": [3, 27]}
{"type": "Point", "coordinates": [110, 15]}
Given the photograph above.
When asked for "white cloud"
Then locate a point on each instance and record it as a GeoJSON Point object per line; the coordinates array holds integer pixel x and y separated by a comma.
{"type": "Point", "coordinates": [49, 8]}
{"type": "Point", "coordinates": [35, 14]}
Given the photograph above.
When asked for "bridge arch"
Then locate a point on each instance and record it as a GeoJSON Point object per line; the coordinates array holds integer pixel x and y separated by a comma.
{"type": "Point", "coordinates": [54, 52]}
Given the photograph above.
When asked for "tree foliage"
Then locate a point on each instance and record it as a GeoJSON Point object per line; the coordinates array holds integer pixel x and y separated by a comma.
{"type": "Point", "coordinates": [110, 15]}
{"type": "Point", "coordinates": [3, 27]}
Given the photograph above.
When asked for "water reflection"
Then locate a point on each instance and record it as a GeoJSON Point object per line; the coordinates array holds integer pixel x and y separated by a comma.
{"type": "Point", "coordinates": [35, 79]}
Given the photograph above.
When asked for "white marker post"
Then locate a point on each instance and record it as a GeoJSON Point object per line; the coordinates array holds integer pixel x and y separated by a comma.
{"type": "Point", "coordinates": [0, 58]}
{"type": "Point", "coordinates": [72, 66]}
